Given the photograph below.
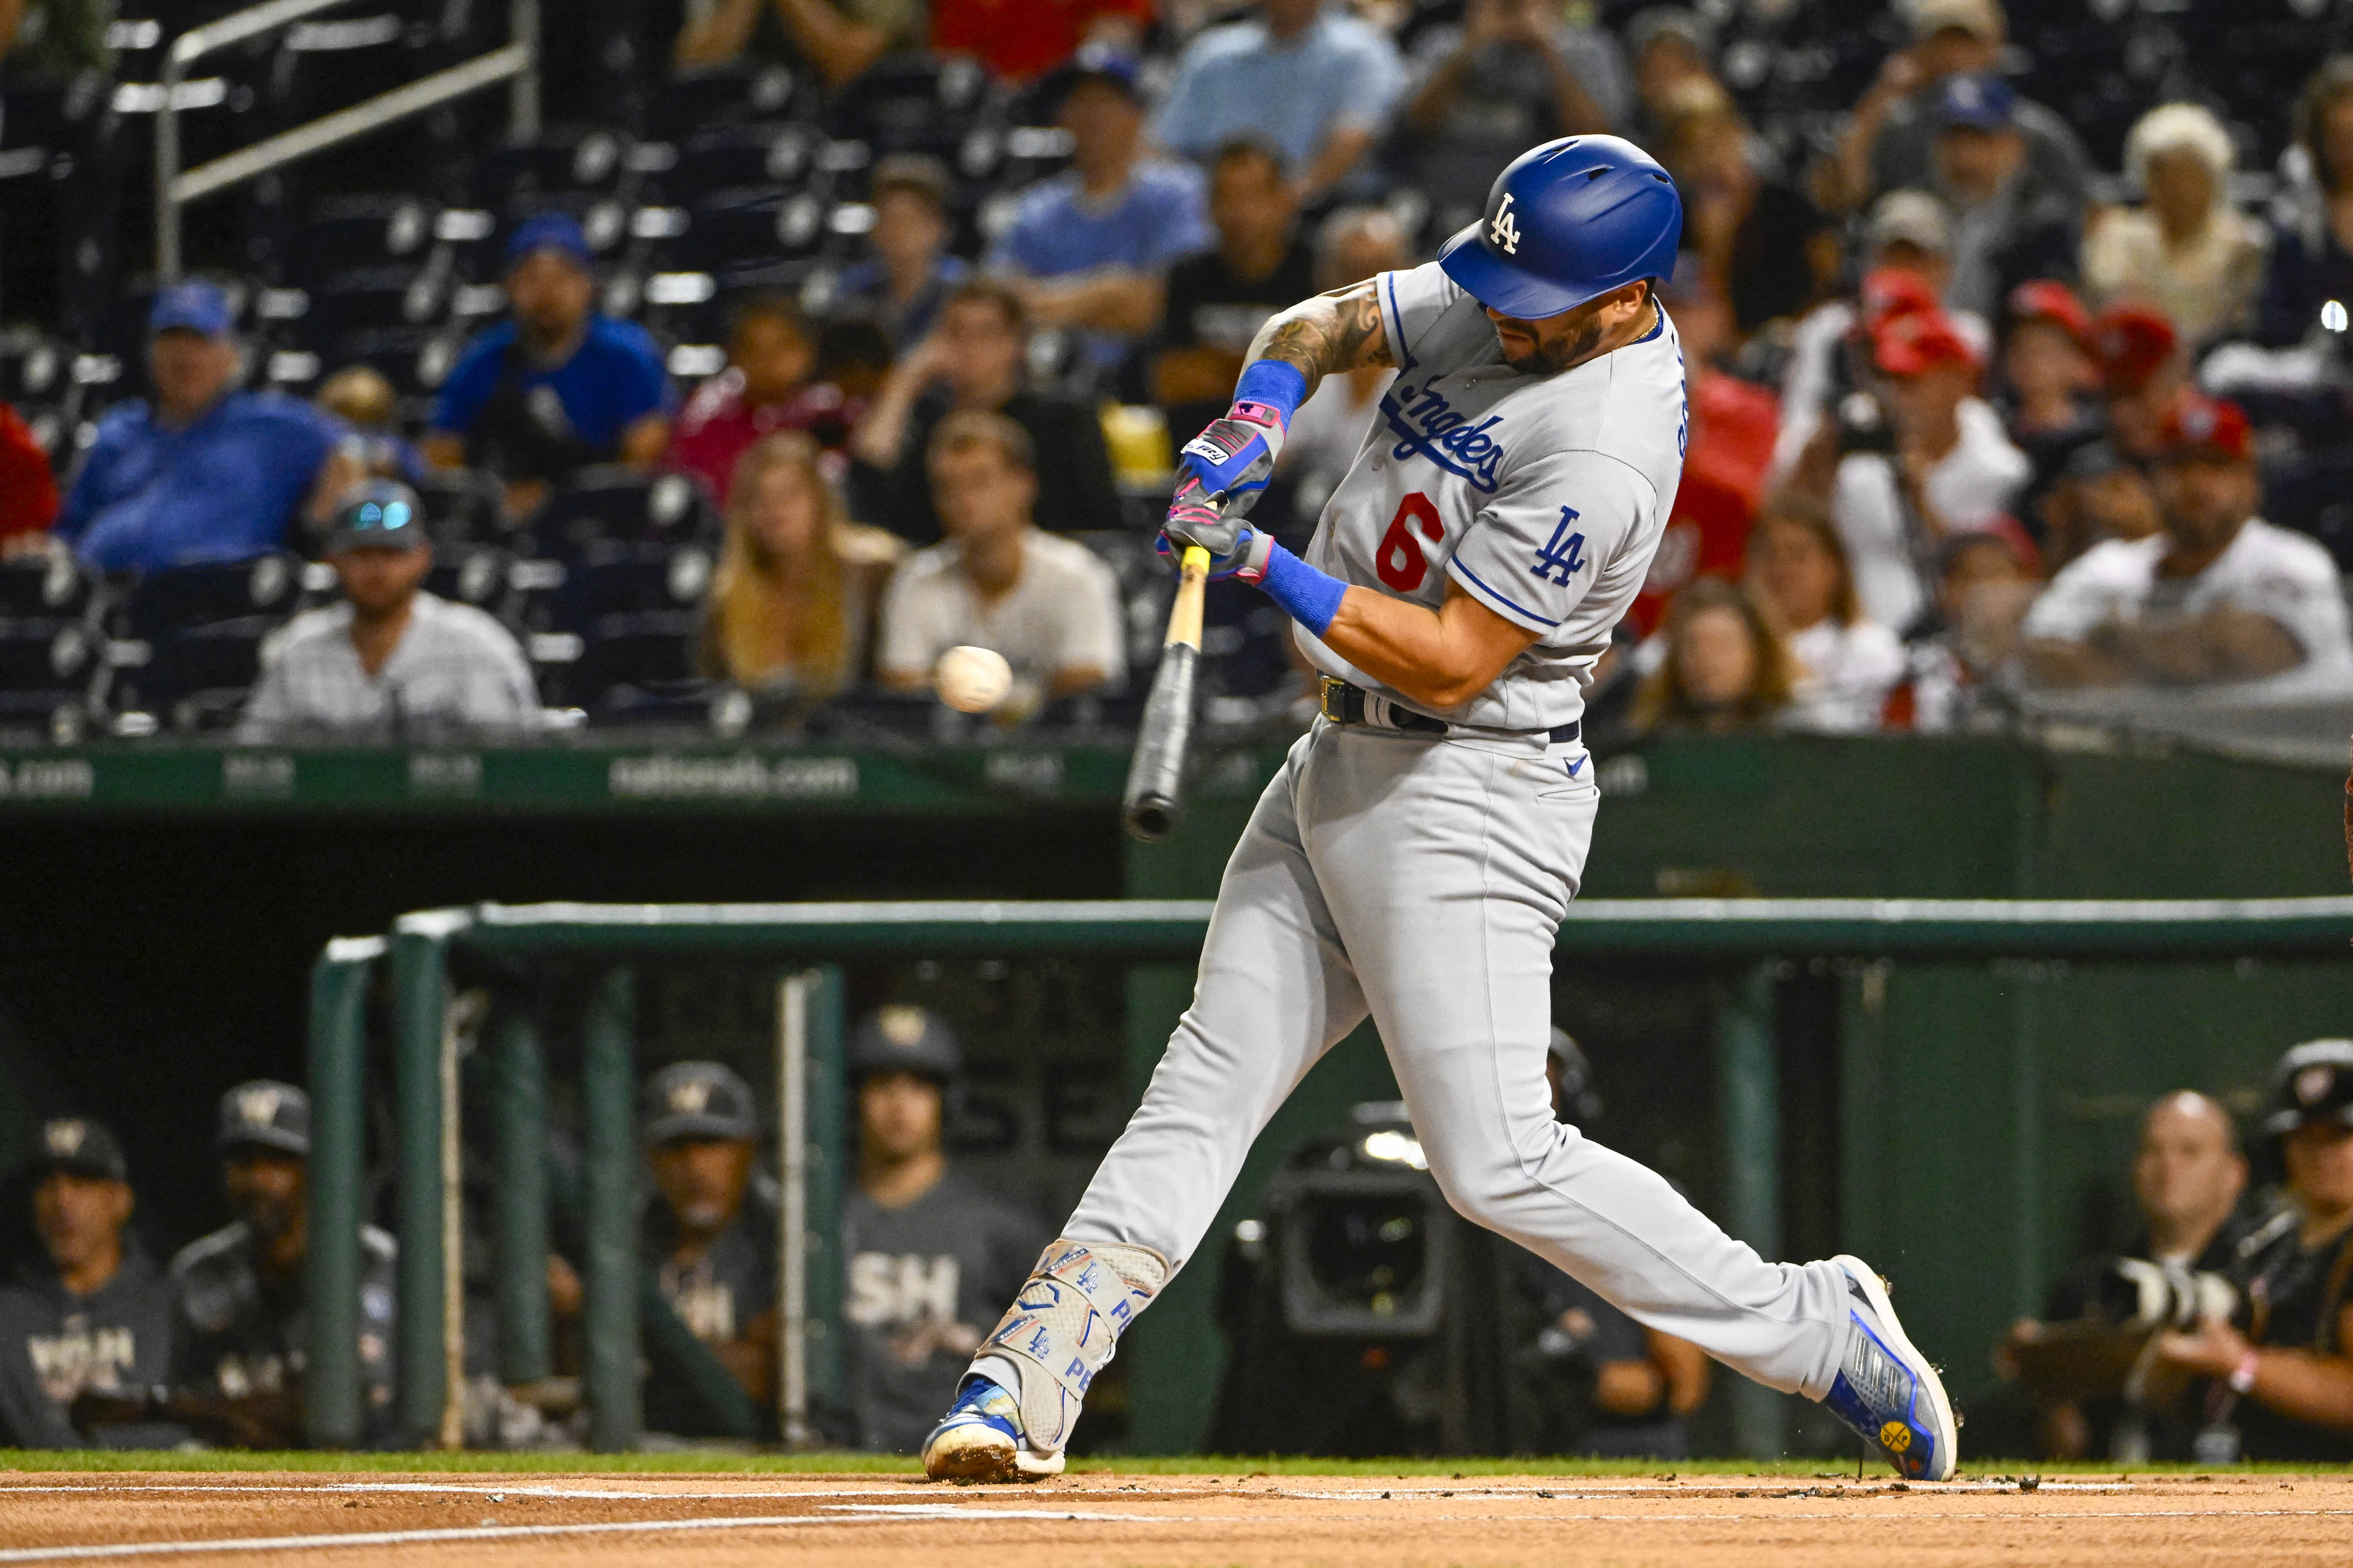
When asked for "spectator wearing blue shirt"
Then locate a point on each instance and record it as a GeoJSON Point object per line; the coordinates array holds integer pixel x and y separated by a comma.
{"type": "Point", "coordinates": [1092, 248]}
{"type": "Point", "coordinates": [1316, 85]}
{"type": "Point", "coordinates": [207, 471]}
{"type": "Point", "coordinates": [909, 271]}
{"type": "Point", "coordinates": [558, 387]}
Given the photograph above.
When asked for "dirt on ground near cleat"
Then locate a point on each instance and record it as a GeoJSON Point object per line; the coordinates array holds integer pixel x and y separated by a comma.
{"type": "Point", "coordinates": [1105, 1517]}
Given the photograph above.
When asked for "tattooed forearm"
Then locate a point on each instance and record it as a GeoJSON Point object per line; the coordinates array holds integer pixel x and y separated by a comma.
{"type": "Point", "coordinates": [1335, 332]}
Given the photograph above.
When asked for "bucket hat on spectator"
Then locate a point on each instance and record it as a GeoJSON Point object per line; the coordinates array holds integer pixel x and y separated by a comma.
{"type": "Point", "coordinates": [905, 1040]}
{"type": "Point", "coordinates": [1918, 342]}
{"type": "Point", "coordinates": [2198, 425]}
{"type": "Point", "coordinates": [265, 1114]}
{"type": "Point", "coordinates": [2045, 299]}
{"type": "Point", "coordinates": [79, 1147]}
{"type": "Point", "coordinates": [2313, 1082]}
{"type": "Point", "coordinates": [697, 1100]}
{"type": "Point", "coordinates": [2132, 342]}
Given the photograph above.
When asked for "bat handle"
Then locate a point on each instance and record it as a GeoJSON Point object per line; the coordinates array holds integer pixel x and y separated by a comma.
{"type": "Point", "coordinates": [1192, 584]}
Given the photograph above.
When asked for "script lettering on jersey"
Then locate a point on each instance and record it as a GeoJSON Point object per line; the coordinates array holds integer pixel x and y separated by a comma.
{"type": "Point", "coordinates": [1424, 422]}
{"type": "Point", "coordinates": [1563, 555]}
{"type": "Point", "coordinates": [80, 1357]}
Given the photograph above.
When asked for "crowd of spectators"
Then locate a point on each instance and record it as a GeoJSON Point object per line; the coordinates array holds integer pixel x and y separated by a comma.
{"type": "Point", "coordinates": [1981, 416]}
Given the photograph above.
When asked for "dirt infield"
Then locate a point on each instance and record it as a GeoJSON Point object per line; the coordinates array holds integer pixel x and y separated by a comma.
{"type": "Point", "coordinates": [1280, 1522]}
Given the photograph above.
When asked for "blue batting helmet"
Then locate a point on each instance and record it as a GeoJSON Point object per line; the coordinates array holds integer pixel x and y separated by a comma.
{"type": "Point", "coordinates": [1565, 223]}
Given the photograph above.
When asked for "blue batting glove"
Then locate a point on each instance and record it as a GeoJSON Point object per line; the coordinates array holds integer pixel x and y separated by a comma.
{"type": "Point", "coordinates": [1234, 457]}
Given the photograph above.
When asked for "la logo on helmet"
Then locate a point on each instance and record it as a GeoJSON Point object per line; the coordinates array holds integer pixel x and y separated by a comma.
{"type": "Point", "coordinates": [1505, 230]}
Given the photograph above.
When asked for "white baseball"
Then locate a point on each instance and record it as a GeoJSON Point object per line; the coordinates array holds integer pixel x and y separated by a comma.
{"type": "Point", "coordinates": [971, 679]}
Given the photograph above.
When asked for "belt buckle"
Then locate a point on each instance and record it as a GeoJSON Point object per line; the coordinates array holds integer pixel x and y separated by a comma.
{"type": "Point", "coordinates": [1334, 704]}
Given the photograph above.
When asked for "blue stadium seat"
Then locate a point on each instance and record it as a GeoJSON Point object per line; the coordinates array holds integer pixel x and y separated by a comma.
{"type": "Point", "coordinates": [912, 104]}
{"type": "Point", "coordinates": [53, 675]}
{"type": "Point", "coordinates": [462, 507]}
{"type": "Point", "coordinates": [196, 677]}
{"type": "Point", "coordinates": [616, 577]}
{"type": "Point", "coordinates": [476, 575]}
{"type": "Point", "coordinates": [735, 157]}
{"type": "Point", "coordinates": [727, 228]}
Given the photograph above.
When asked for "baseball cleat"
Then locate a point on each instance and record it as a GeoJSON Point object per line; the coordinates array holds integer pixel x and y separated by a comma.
{"type": "Point", "coordinates": [980, 1439]}
{"type": "Point", "coordinates": [1886, 1390]}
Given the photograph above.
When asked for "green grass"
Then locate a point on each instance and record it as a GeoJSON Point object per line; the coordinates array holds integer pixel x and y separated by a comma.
{"type": "Point", "coordinates": [710, 1461]}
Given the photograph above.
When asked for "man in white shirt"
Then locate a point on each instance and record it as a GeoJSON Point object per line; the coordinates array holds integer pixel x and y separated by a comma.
{"type": "Point", "coordinates": [390, 660]}
{"type": "Point", "coordinates": [1050, 605]}
{"type": "Point", "coordinates": [1953, 469]}
{"type": "Point", "coordinates": [2220, 598]}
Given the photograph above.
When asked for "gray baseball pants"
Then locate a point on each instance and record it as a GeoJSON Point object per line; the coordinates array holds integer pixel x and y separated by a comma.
{"type": "Point", "coordinates": [1422, 880]}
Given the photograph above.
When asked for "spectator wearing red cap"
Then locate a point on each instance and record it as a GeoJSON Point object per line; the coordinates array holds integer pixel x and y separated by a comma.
{"type": "Point", "coordinates": [2219, 598]}
{"type": "Point", "coordinates": [1907, 253]}
{"type": "Point", "coordinates": [1951, 469]}
{"type": "Point", "coordinates": [2185, 250]}
{"type": "Point", "coordinates": [2048, 377]}
{"type": "Point", "coordinates": [2142, 373]}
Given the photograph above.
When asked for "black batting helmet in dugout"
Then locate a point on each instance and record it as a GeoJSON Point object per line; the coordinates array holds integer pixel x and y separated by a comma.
{"type": "Point", "coordinates": [905, 1040]}
{"type": "Point", "coordinates": [2313, 1082]}
{"type": "Point", "coordinates": [1567, 221]}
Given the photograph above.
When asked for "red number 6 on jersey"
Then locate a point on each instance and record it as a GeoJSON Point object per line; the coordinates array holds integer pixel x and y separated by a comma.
{"type": "Point", "coordinates": [1399, 561]}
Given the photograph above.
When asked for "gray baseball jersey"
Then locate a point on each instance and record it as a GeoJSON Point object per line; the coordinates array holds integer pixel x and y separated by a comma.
{"type": "Point", "coordinates": [56, 1345]}
{"type": "Point", "coordinates": [1422, 880]}
{"type": "Point", "coordinates": [1542, 495]}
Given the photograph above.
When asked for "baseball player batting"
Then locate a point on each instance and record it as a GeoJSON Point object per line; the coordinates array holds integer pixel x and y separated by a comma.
{"type": "Point", "coordinates": [1414, 857]}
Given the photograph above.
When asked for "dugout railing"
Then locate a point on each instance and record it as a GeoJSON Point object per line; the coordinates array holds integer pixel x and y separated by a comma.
{"type": "Point", "coordinates": [593, 947]}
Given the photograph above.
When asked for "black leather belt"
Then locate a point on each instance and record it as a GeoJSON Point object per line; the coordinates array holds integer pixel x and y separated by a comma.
{"type": "Point", "coordinates": [1345, 704]}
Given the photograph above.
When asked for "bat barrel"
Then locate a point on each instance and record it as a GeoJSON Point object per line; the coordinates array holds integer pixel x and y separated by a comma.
{"type": "Point", "coordinates": [1155, 798]}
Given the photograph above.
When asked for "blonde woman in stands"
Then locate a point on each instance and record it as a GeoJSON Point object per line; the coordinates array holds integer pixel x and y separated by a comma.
{"type": "Point", "coordinates": [2185, 250]}
{"type": "Point", "coordinates": [792, 606]}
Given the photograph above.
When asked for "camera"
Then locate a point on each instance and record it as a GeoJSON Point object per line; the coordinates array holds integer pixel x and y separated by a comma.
{"type": "Point", "coordinates": [2139, 1294]}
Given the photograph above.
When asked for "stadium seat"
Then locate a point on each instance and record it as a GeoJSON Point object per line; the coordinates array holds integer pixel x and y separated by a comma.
{"type": "Point", "coordinates": [911, 104]}
{"type": "Point", "coordinates": [346, 234]}
{"type": "Point", "coordinates": [476, 575]}
{"type": "Point", "coordinates": [53, 674]}
{"type": "Point", "coordinates": [735, 157]}
{"type": "Point", "coordinates": [372, 299]}
{"type": "Point", "coordinates": [196, 677]}
{"type": "Point", "coordinates": [33, 369]}
{"type": "Point", "coordinates": [165, 603]}
{"type": "Point", "coordinates": [741, 93]}
{"type": "Point", "coordinates": [614, 577]}
{"type": "Point", "coordinates": [527, 171]}
{"type": "Point", "coordinates": [726, 228]}
{"type": "Point", "coordinates": [47, 586]}
{"type": "Point", "coordinates": [462, 507]}
{"type": "Point", "coordinates": [619, 504]}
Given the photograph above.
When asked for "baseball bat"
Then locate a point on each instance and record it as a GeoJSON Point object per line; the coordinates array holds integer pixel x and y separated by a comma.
{"type": "Point", "coordinates": [1156, 778]}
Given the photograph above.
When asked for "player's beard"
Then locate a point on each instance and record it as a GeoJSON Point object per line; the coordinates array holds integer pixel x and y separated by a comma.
{"type": "Point", "coordinates": [1574, 347]}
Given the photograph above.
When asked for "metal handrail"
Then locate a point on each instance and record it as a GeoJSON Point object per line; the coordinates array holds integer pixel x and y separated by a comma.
{"type": "Point", "coordinates": [517, 61]}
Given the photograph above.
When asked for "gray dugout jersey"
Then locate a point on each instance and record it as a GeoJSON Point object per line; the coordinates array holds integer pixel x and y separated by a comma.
{"type": "Point", "coordinates": [1544, 496]}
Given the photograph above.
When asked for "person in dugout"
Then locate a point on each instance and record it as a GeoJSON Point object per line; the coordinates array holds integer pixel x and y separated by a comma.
{"type": "Point", "coordinates": [2277, 1377]}
{"type": "Point", "coordinates": [931, 1254]}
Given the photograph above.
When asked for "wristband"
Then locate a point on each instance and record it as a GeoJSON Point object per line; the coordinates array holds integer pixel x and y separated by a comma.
{"type": "Point", "coordinates": [2243, 1377]}
{"type": "Point", "coordinates": [1272, 382]}
{"type": "Point", "coordinates": [1306, 595]}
